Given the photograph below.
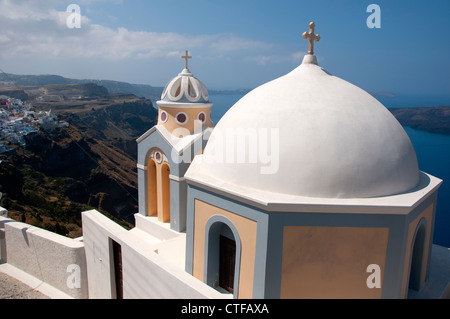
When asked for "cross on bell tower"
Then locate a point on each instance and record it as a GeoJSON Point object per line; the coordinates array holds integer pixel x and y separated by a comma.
{"type": "Point", "coordinates": [186, 57]}
{"type": "Point", "coordinates": [311, 37]}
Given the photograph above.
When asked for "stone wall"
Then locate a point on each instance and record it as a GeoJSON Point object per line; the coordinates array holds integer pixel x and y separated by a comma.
{"type": "Point", "coordinates": [56, 260]}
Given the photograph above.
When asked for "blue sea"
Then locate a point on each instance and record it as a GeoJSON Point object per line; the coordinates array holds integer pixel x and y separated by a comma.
{"type": "Point", "coordinates": [433, 150]}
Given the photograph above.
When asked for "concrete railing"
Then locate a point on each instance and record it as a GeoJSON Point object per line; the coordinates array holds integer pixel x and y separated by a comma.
{"type": "Point", "coordinates": [56, 260]}
{"type": "Point", "coordinates": [2, 246]}
{"type": "Point", "coordinates": [65, 263]}
{"type": "Point", "coordinates": [4, 214]}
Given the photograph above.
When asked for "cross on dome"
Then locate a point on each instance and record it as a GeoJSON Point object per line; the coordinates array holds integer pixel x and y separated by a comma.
{"type": "Point", "coordinates": [186, 57]}
{"type": "Point", "coordinates": [311, 37]}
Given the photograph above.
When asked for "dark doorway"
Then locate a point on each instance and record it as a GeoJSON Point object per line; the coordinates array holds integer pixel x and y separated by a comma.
{"type": "Point", "coordinates": [118, 276]}
{"type": "Point", "coordinates": [227, 263]}
{"type": "Point", "coordinates": [415, 276]}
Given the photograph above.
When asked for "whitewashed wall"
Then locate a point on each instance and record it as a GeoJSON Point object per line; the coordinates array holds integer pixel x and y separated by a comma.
{"type": "Point", "coordinates": [56, 260]}
{"type": "Point", "coordinates": [145, 273]}
{"type": "Point", "coordinates": [2, 242]}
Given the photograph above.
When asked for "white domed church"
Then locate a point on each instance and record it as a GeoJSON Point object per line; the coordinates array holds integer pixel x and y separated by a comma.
{"type": "Point", "coordinates": [338, 210]}
{"type": "Point", "coordinates": [308, 187]}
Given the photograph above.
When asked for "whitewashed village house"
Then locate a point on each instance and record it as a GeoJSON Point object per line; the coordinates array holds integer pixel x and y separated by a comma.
{"type": "Point", "coordinates": [337, 207]}
{"type": "Point", "coordinates": [17, 120]}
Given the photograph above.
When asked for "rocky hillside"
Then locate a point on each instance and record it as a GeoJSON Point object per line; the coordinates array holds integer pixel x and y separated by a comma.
{"type": "Point", "coordinates": [90, 164]}
{"type": "Point", "coordinates": [140, 90]}
{"type": "Point", "coordinates": [431, 119]}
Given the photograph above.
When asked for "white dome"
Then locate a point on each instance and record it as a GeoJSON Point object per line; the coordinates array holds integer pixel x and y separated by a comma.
{"type": "Point", "coordinates": [335, 140]}
{"type": "Point", "coordinates": [185, 88]}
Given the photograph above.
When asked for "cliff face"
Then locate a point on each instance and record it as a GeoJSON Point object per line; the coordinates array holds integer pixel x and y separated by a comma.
{"type": "Point", "coordinates": [17, 94]}
{"type": "Point", "coordinates": [431, 119]}
{"type": "Point", "coordinates": [140, 90]}
{"type": "Point", "coordinates": [90, 164]}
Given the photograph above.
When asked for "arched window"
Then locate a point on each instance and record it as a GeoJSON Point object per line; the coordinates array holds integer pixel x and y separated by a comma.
{"type": "Point", "coordinates": [152, 189]}
{"type": "Point", "coordinates": [164, 214]}
{"type": "Point", "coordinates": [158, 186]}
{"type": "Point", "coordinates": [417, 257]}
{"type": "Point", "coordinates": [222, 254]}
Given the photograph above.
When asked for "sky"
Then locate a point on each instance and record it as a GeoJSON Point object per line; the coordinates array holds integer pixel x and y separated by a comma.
{"type": "Point", "coordinates": [233, 43]}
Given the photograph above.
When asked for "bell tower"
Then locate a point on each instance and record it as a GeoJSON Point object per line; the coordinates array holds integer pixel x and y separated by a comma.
{"type": "Point", "coordinates": [166, 151]}
{"type": "Point", "coordinates": [184, 101]}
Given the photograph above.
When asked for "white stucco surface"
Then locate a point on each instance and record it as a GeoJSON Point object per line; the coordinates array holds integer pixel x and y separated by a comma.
{"type": "Point", "coordinates": [30, 287]}
{"type": "Point", "coordinates": [335, 140]}
{"type": "Point", "coordinates": [280, 202]}
{"type": "Point", "coordinates": [146, 273]}
{"type": "Point", "coordinates": [45, 256]}
{"type": "Point", "coordinates": [178, 144]}
{"type": "Point", "coordinates": [185, 87]}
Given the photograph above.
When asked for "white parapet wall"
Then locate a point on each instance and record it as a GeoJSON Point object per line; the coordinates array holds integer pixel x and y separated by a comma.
{"type": "Point", "coordinates": [54, 259]}
{"type": "Point", "coordinates": [2, 242]}
{"type": "Point", "coordinates": [146, 275]}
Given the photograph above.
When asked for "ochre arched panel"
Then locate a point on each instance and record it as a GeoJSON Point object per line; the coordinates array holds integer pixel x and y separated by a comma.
{"type": "Point", "coordinates": [246, 228]}
{"type": "Point", "coordinates": [152, 188]}
{"type": "Point", "coordinates": [164, 214]}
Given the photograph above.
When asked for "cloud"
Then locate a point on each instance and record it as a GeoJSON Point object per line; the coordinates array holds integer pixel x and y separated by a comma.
{"type": "Point", "coordinates": [36, 29]}
{"type": "Point", "coordinates": [35, 39]}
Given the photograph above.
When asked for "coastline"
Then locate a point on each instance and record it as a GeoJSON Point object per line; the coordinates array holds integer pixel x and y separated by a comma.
{"type": "Point", "coordinates": [434, 119]}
